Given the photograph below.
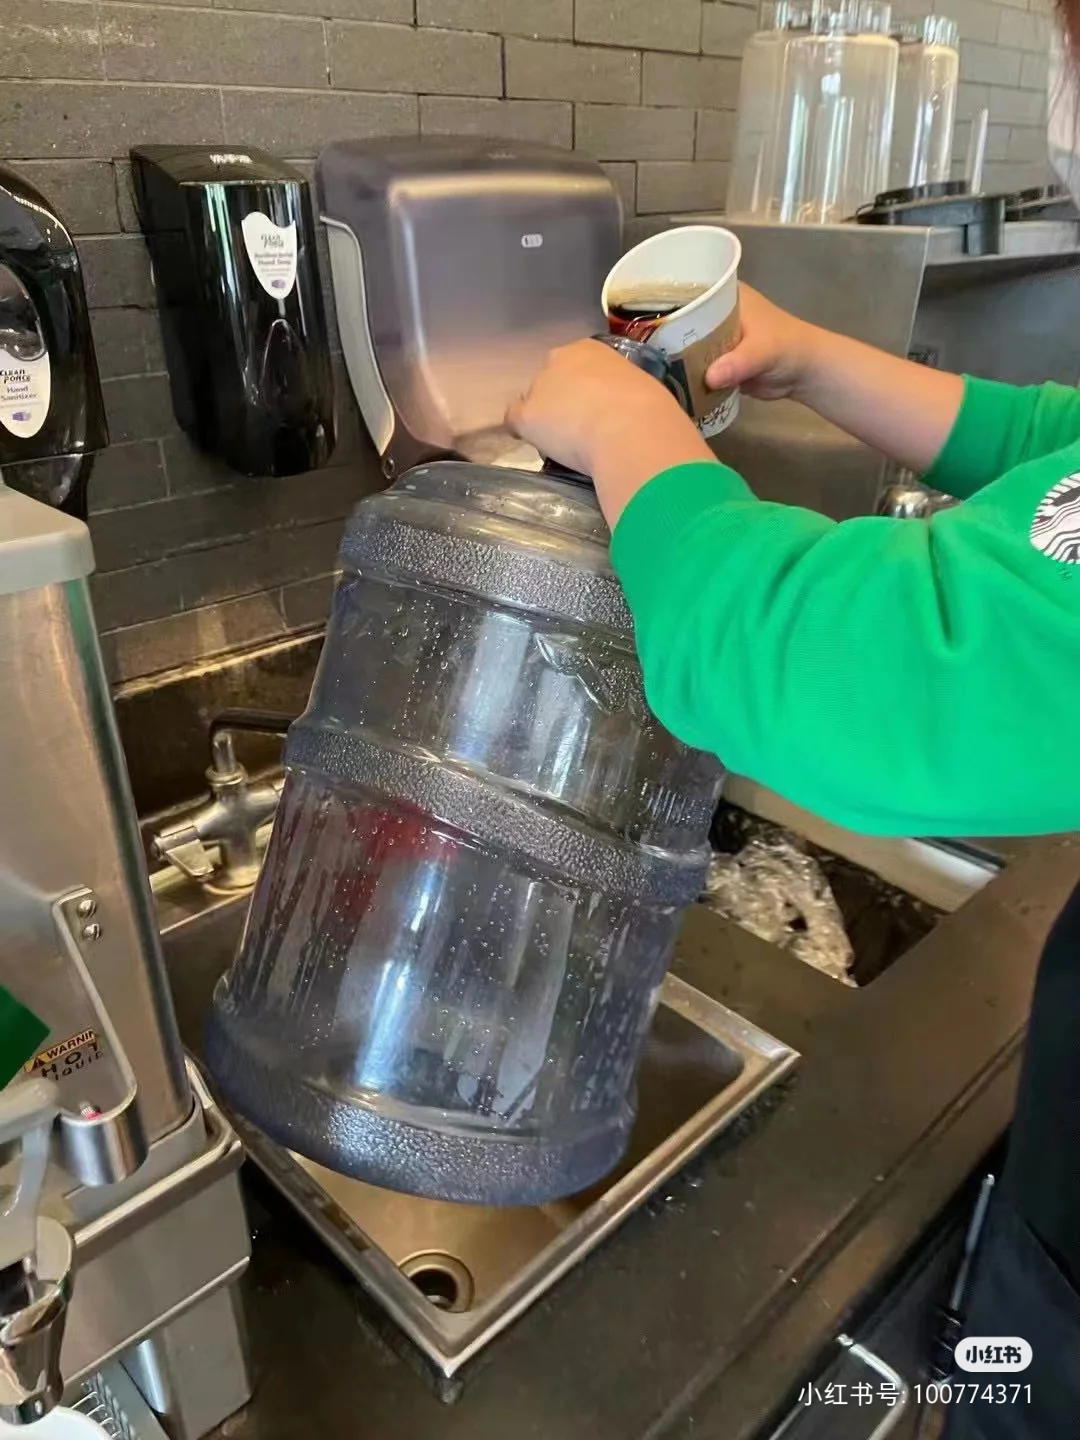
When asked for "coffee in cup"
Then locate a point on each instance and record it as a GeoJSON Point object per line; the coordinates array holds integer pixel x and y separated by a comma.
{"type": "Point", "coordinates": [679, 291]}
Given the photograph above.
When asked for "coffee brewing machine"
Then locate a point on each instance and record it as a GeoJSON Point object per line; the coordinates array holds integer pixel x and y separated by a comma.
{"type": "Point", "coordinates": [123, 1228]}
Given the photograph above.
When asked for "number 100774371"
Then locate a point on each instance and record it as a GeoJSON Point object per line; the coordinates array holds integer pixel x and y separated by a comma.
{"type": "Point", "coordinates": [956, 1392]}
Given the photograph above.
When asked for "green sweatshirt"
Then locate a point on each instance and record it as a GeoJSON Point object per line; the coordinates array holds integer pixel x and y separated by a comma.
{"type": "Point", "coordinates": [894, 676]}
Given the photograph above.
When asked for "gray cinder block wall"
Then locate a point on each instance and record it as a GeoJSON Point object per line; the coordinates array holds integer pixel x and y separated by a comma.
{"type": "Point", "coordinates": [192, 559]}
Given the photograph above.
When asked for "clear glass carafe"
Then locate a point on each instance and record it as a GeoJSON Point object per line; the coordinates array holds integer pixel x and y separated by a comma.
{"type": "Point", "coordinates": [925, 115]}
{"type": "Point", "coordinates": [815, 112]}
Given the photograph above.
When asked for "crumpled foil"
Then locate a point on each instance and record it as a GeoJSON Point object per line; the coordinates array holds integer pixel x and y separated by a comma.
{"type": "Point", "coordinates": [779, 893]}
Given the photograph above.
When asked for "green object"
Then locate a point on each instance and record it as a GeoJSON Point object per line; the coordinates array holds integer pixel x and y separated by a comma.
{"type": "Point", "coordinates": [21, 1034]}
{"type": "Point", "coordinates": [897, 677]}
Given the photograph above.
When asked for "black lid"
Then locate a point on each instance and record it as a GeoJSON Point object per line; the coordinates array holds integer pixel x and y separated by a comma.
{"type": "Point", "coordinates": [1034, 193]}
{"type": "Point", "coordinates": [215, 164]}
{"type": "Point", "coordinates": [1041, 202]}
{"type": "Point", "coordinates": [934, 190]}
{"type": "Point", "coordinates": [956, 208]}
{"type": "Point", "coordinates": [981, 218]}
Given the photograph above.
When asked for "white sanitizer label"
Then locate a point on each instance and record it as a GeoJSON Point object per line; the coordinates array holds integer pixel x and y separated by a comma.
{"type": "Point", "coordinates": [272, 251]}
{"type": "Point", "coordinates": [25, 387]}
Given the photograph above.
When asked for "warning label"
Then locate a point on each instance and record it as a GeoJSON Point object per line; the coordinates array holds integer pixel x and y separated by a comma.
{"type": "Point", "coordinates": [66, 1056]}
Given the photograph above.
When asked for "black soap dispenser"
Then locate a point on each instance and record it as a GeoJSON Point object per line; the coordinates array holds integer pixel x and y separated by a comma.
{"type": "Point", "coordinates": [232, 242]}
{"type": "Point", "coordinates": [52, 419]}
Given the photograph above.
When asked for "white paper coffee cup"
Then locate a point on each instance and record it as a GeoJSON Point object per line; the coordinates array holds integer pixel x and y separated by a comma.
{"type": "Point", "coordinates": [691, 337]}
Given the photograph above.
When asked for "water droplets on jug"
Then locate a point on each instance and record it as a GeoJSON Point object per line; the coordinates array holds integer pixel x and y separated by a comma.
{"type": "Point", "coordinates": [474, 878]}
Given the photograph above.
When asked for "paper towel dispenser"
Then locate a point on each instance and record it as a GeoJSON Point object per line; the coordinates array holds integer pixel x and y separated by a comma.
{"type": "Point", "coordinates": [232, 242]}
{"type": "Point", "coordinates": [457, 264]}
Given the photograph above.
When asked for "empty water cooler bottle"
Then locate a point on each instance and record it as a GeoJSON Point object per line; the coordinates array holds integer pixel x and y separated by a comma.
{"type": "Point", "coordinates": [479, 860]}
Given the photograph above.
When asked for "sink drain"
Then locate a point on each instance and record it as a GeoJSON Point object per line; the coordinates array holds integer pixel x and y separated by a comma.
{"type": "Point", "coordinates": [442, 1279]}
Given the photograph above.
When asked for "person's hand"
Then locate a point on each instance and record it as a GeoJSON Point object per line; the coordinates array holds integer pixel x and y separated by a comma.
{"type": "Point", "coordinates": [907, 411]}
{"type": "Point", "coordinates": [581, 399]}
{"type": "Point", "coordinates": [590, 409]}
{"type": "Point", "coordinates": [772, 357]}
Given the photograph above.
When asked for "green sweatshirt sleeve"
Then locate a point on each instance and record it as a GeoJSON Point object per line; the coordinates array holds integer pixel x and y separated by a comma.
{"type": "Point", "coordinates": [21, 1032]}
{"type": "Point", "coordinates": [898, 677]}
{"type": "Point", "coordinates": [1002, 426]}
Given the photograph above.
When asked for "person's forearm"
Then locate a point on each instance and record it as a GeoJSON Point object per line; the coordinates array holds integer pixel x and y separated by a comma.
{"type": "Point", "coordinates": [900, 408]}
{"type": "Point", "coordinates": [769, 635]}
{"type": "Point", "coordinates": [635, 452]}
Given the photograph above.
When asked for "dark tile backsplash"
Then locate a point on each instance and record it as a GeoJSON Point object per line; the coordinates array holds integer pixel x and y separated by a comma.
{"type": "Point", "coordinates": [194, 560]}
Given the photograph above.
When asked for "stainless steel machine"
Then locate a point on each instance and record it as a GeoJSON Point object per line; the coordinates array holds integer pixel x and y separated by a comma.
{"type": "Point", "coordinates": [122, 1191]}
{"type": "Point", "coordinates": [911, 290]}
{"type": "Point", "coordinates": [143, 1166]}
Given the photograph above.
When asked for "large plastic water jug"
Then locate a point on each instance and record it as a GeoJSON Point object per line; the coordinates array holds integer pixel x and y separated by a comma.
{"type": "Point", "coordinates": [483, 846]}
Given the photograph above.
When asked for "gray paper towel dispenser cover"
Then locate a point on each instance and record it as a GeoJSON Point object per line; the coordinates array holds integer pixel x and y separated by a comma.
{"type": "Point", "coordinates": [457, 263]}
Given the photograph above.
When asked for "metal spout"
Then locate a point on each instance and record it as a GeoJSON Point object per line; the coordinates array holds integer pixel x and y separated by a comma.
{"type": "Point", "coordinates": [33, 1308]}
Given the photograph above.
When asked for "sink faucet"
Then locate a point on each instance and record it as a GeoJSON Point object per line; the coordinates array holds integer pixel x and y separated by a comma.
{"type": "Point", "coordinates": [234, 813]}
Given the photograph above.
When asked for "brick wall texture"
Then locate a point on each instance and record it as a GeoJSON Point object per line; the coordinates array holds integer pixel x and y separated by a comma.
{"type": "Point", "coordinates": [193, 560]}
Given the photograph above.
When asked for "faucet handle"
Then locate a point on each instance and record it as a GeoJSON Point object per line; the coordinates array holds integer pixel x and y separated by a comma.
{"type": "Point", "coordinates": [232, 816]}
{"type": "Point", "coordinates": [182, 845]}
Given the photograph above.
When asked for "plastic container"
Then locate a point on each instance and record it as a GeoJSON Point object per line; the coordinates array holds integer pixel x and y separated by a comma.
{"type": "Point", "coordinates": [477, 867]}
{"type": "Point", "coordinates": [925, 115]}
{"type": "Point", "coordinates": [751, 186]}
{"type": "Point", "coordinates": [815, 112]}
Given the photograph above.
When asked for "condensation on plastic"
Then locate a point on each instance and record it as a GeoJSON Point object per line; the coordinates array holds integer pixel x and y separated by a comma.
{"type": "Point", "coordinates": [501, 817]}
{"type": "Point", "coordinates": [775, 890]}
{"type": "Point", "coordinates": [477, 867]}
{"type": "Point", "coordinates": [815, 112]}
{"type": "Point", "coordinates": [386, 545]}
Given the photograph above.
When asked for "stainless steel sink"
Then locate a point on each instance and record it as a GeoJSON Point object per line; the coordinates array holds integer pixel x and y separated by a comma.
{"type": "Point", "coordinates": [454, 1276]}
{"type": "Point", "coordinates": [888, 893]}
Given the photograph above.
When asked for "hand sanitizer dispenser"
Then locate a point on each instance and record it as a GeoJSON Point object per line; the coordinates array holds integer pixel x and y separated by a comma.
{"type": "Point", "coordinates": [232, 242]}
{"type": "Point", "coordinates": [52, 419]}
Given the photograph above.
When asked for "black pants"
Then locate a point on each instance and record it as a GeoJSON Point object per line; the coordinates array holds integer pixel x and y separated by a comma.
{"type": "Point", "coordinates": [1027, 1280]}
